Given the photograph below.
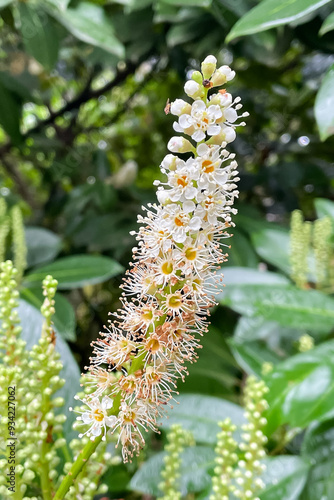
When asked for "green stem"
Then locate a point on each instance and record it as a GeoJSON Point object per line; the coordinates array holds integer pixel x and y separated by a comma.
{"type": "Point", "coordinates": [76, 468]}
{"type": "Point", "coordinates": [44, 474]}
{"type": "Point", "coordinates": [64, 449]}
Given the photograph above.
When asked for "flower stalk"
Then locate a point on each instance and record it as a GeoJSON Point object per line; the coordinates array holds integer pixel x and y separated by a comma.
{"type": "Point", "coordinates": [169, 290]}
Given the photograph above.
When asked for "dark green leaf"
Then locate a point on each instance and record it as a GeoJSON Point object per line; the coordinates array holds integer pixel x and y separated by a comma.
{"type": "Point", "coordinates": [192, 413]}
{"type": "Point", "coordinates": [270, 13]}
{"type": "Point", "coordinates": [285, 477]}
{"type": "Point", "coordinates": [273, 245]}
{"type": "Point", "coordinates": [60, 4]}
{"type": "Point", "coordinates": [77, 271]}
{"type": "Point", "coordinates": [17, 85]}
{"type": "Point", "coordinates": [251, 356]}
{"type": "Point", "coordinates": [241, 252]}
{"type": "Point", "coordinates": [10, 115]}
{"type": "Point", "coordinates": [215, 372]}
{"type": "Point", "coordinates": [39, 34]}
{"type": "Point", "coordinates": [189, 3]}
{"type": "Point", "coordinates": [324, 105]}
{"type": "Point", "coordinates": [318, 446]}
{"type": "Point", "coordinates": [301, 388]}
{"type": "Point", "coordinates": [43, 245]}
{"type": "Point", "coordinates": [4, 3]}
{"type": "Point", "coordinates": [64, 317]}
{"type": "Point", "coordinates": [89, 23]}
{"type": "Point", "coordinates": [324, 208]}
{"type": "Point", "coordinates": [289, 306]}
{"type": "Point", "coordinates": [194, 475]}
{"type": "Point", "coordinates": [328, 24]}
{"type": "Point", "coordinates": [244, 276]}
{"type": "Point", "coordinates": [32, 322]}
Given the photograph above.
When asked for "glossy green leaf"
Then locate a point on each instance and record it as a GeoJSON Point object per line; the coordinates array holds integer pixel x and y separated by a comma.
{"type": "Point", "coordinates": [189, 3]}
{"type": "Point", "coordinates": [194, 476]}
{"type": "Point", "coordinates": [42, 244]}
{"type": "Point", "coordinates": [32, 323]}
{"type": "Point", "coordinates": [324, 208]}
{"type": "Point", "coordinates": [251, 356]}
{"type": "Point", "coordinates": [273, 245]}
{"type": "Point", "coordinates": [192, 413]}
{"type": "Point", "coordinates": [76, 271]}
{"type": "Point", "coordinates": [284, 477]}
{"type": "Point", "coordinates": [234, 276]}
{"type": "Point", "coordinates": [324, 105]}
{"type": "Point", "coordinates": [39, 34]}
{"type": "Point", "coordinates": [64, 317]}
{"type": "Point", "coordinates": [301, 388]}
{"type": "Point", "coordinates": [89, 23]}
{"type": "Point", "coordinates": [215, 372]}
{"type": "Point", "coordinates": [241, 252]}
{"type": "Point", "coordinates": [327, 25]}
{"type": "Point", "coordinates": [302, 309]}
{"type": "Point", "coordinates": [4, 3]}
{"type": "Point", "coordinates": [10, 115]}
{"type": "Point", "coordinates": [270, 14]}
{"type": "Point", "coordinates": [60, 4]}
{"type": "Point", "coordinates": [318, 446]}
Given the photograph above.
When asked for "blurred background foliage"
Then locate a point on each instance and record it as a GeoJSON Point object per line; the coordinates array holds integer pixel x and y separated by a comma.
{"type": "Point", "coordinates": [83, 87]}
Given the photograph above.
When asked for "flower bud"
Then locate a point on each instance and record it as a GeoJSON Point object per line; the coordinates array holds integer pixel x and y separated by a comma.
{"type": "Point", "coordinates": [179, 145]}
{"type": "Point", "coordinates": [222, 75]}
{"type": "Point", "coordinates": [193, 89]}
{"type": "Point", "coordinates": [208, 67]}
{"type": "Point", "coordinates": [179, 107]}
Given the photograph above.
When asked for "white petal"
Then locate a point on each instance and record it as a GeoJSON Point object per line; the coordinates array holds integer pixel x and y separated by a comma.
{"type": "Point", "coordinates": [214, 129]}
{"type": "Point", "coordinates": [230, 115]}
{"type": "Point", "coordinates": [198, 106]}
{"type": "Point", "coordinates": [106, 403]}
{"type": "Point", "coordinates": [87, 418]}
{"type": "Point", "coordinates": [111, 421]}
{"type": "Point", "coordinates": [180, 236]}
{"type": "Point", "coordinates": [202, 149]}
{"type": "Point", "coordinates": [95, 429]}
{"type": "Point", "coordinates": [198, 136]}
{"type": "Point", "coordinates": [188, 206]}
{"type": "Point", "coordinates": [190, 193]}
{"type": "Point", "coordinates": [195, 223]}
{"type": "Point", "coordinates": [177, 127]}
{"type": "Point", "coordinates": [185, 121]}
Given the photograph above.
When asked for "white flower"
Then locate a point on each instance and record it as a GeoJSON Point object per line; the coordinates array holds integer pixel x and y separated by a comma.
{"type": "Point", "coordinates": [179, 106]}
{"type": "Point", "coordinates": [97, 417]}
{"type": "Point", "coordinates": [222, 75]}
{"type": "Point", "coordinates": [179, 145]}
{"type": "Point", "coordinates": [193, 89]}
{"type": "Point", "coordinates": [201, 119]}
{"type": "Point", "coordinates": [178, 221]}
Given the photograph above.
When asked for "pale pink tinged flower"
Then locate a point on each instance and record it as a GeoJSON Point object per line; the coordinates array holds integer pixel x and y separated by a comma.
{"type": "Point", "coordinates": [97, 417]}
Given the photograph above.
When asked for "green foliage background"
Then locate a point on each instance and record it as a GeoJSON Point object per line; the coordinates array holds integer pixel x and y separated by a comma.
{"type": "Point", "coordinates": [83, 86]}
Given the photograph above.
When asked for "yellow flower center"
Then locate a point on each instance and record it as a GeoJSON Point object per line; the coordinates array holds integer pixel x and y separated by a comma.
{"type": "Point", "coordinates": [147, 314]}
{"type": "Point", "coordinates": [153, 345]}
{"type": "Point", "coordinates": [182, 181]}
{"type": "Point", "coordinates": [191, 253]}
{"type": "Point", "coordinates": [98, 415]}
{"type": "Point", "coordinates": [174, 301]}
{"type": "Point", "coordinates": [178, 221]}
{"type": "Point", "coordinates": [167, 268]}
{"type": "Point", "coordinates": [208, 166]}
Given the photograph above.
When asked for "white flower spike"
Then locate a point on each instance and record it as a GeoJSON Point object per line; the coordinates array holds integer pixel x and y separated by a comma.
{"type": "Point", "coordinates": [169, 289]}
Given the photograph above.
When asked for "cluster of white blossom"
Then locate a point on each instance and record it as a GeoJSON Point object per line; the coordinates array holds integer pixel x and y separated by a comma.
{"type": "Point", "coordinates": [167, 292]}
